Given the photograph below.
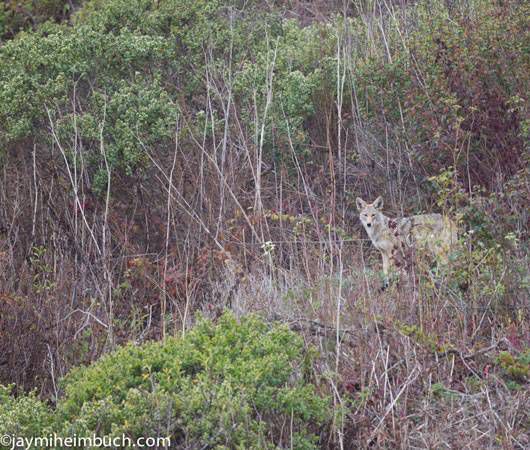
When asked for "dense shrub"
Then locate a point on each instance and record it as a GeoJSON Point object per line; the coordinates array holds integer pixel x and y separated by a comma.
{"type": "Point", "coordinates": [457, 82]}
{"type": "Point", "coordinates": [24, 415]}
{"type": "Point", "coordinates": [236, 384]}
{"type": "Point", "coordinates": [232, 385]}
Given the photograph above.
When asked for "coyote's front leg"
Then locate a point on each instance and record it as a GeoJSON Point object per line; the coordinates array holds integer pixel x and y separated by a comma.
{"type": "Point", "coordinates": [386, 267]}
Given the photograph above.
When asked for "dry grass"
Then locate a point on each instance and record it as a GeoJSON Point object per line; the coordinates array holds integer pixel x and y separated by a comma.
{"type": "Point", "coordinates": [415, 370]}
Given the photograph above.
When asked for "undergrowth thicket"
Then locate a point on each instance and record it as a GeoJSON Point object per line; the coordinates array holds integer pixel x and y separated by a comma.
{"type": "Point", "coordinates": [165, 159]}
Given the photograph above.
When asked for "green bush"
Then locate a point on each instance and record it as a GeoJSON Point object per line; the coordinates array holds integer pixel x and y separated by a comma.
{"type": "Point", "coordinates": [516, 368]}
{"type": "Point", "coordinates": [24, 415]}
{"type": "Point", "coordinates": [116, 74]}
{"type": "Point", "coordinates": [231, 385]}
{"type": "Point", "coordinates": [303, 75]}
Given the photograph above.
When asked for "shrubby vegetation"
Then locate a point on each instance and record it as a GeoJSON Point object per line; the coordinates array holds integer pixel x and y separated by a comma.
{"type": "Point", "coordinates": [165, 158]}
{"type": "Point", "coordinates": [232, 385]}
{"type": "Point", "coordinates": [28, 14]}
{"type": "Point", "coordinates": [22, 416]}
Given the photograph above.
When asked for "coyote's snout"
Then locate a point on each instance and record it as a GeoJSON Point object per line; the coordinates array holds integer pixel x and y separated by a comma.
{"type": "Point", "coordinates": [394, 238]}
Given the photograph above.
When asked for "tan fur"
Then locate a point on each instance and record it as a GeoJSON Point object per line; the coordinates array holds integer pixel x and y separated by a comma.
{"type": "Point", "coordinates": [395, 238]}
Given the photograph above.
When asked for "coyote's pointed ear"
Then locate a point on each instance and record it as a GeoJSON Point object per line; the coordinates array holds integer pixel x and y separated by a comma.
{"type": "Point", "coordinates": [378, 204]}
{"type": "Point", "coordinates": [361, 204]}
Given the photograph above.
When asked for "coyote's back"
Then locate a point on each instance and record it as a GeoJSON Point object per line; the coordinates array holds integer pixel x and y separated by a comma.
{"type": "Point", "coordinates": [434, 232]}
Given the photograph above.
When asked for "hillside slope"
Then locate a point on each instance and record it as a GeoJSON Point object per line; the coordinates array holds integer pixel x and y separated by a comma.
{"type": "Point", "coordinates": [164, 159]}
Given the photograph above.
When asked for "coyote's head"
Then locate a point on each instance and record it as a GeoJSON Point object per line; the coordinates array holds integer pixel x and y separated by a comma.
{"type": "Point", "coordinates": [370, 213]}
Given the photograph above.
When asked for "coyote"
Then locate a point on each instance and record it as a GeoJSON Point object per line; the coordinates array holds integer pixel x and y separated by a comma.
{"type": "Point", "coordinates": [396, 239]}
